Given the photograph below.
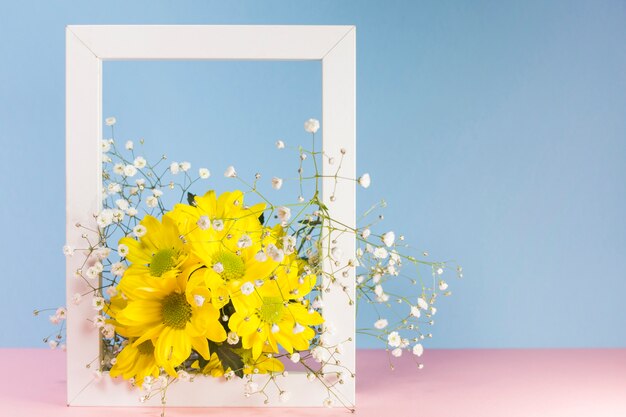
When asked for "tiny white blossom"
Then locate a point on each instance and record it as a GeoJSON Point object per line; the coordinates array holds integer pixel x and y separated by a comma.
{"type": "Point", "coordinates": [394, 339]}
{"type": "Point", "coordinates": [320, 354]}
{"type": "Point", "coordinates": [183, 375]}
{"type": "Point", "coordinates": [130, 170]}
{"type": "Point", "coordinates": [336, 253]}
{"type": "Point", "coordinates": [380, 253]}
{"type": "Point", "coordinates": [68, 250]}
{"type": "Point", "coordinates": [140, 162]}
{"type": "Point", "coordinates": [118, 215]}
{"type": "Point", "coordinates": [397, 352]}
{"type": "Point", "coordinates": [204, 222]}
{"type": "Point", "coordinates": [174, 168]}
{"type": "Point", "coordinates": [284, 396]}
{"type": "Point", "coordinates": [152, 201]}
{"type": "Point", "coordinates": [311, 125]}
{"type": "Point", "coordinates": [122, 204]}
{"type": "Point", "coordinates": [204, 173]}
{"type": "Point", "coordinates": [280, 144]}
{"type": "Point", "coordinates": [105, 145]}
{"type": "Point", "coordinates": [378, 290]}
{"type": "Point", "coordinates": [111, 291]}
{"type": "Point", "coordinates": [77, 298]}
{"type": "Point", "coordinates": [218, 225]}
{"type": "Point", "coordinates": [298, 328]}
{"type": "Point", "coordinates": [97, 303]}
{"type": "Point", "coordinates": [114, 188]}
{"type": "Point", "coordinates": [250, 387]}
{"type": "Point", "coordinates": [443, 285]}
{"type": "Point", "coordinates": [199, 300]}
{"type": "Point", "coordinates": [295, 357]}
{"type": "Point", "coordinates": [230, 172]}
{"type": "Point", "coordinates": [53, 344]}
{"type": "Point", "coordinates": [366, 233]}
{"type": "Point", "coordinates": [122, 250]}
{"type": "Point", "coordinates": [260, 256]}
{"type": "Point", "coordinates": [132, 211]}
{"type": "Point", "coordinates": [381, 324]}
{"type": "Point", "coordinates": [418, 349]}
{"type": "Point", "coordinates": [129, 145]}
{"type": "Point", "coordinates": [389, 238]}
{"type": "Point", "coordinates": [328, 402]}
{"type": "Point", "coordinates": [105, 218]}
{"type": "Point", "coordinates": [247, 288]}
{"type": "Point", "coordinates": [244, 241]}
{"type": "Point", "coordinates": [185, 166]}
{"type": "Point", "coordinates": [156, 192]}
{"type": "Point", "coordinates": [118, 169]}
{"type": "Point", "coordinates": [233, 338]}
{"type": "Point", "coordinates": [421, 303]}
{"type": "Point", "coordinates": [139, 230]}
{"type": "Point", "coordinates": [284, 213]}
{"type": "Point", "coordinates": [277, 183]}
{"type": "Point", "coordinates": [365, 180]}
{"type": "Point", "coordinates": [110, 121]}
{"type": "Point", "coordinates": [54, 319]}
{"type": "Point", "coordinates": [102, 253]}
{"type": "Point", "coordinates": [218, 267]}
{"type": "Point", "coordinates": [273, 252]}
{"type": "Point", "coordinates": [415, 312]}
{"type": "Point", "coordinates": [92, 273]}
{"type": "Point", "coordinates": [118, 269]}
{"type": "Point", "coordinates": [108, 330]}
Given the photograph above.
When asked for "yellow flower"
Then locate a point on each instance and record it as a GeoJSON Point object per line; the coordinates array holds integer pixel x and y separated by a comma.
{"type": "Point", "coordinates": [136, 361]}
{"type": "Point", "coordinates": [159, 253]}
{"type": "Point", "coordinates": [276, 313]}
{"type": "Point", "coordinates": [173, 312]}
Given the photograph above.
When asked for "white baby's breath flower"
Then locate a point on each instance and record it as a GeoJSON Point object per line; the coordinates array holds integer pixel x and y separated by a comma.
{"type": "Point", "coordinates": [118, 269]}
{"type": "Point", "coordinates": [98, 266]}
{"type": "Point", "coordinates": [250, 387]}
{"type": "Point", "coordinates": [204, 173]}
{"type": "Point", "coordinates": [110, 121]}
{"type": "Point", "coordinates": [277, 183]}
{"type": "Point", "coordinates": [394, 339]}
{"type": "Point", "coordinates": [218, 267]}
{"type": "Point", "coordinates": [140, 162]}
{"type": "Point", "coordinates": [92, 273]}
{"type": "Point", "coordinates": [118, 215]}
{"type": "Point", "coordinates": [102, 253]}
{"type": "Point", "coordinates": [108, 330]}
{"type": "Point", "coordinates": [139, 230]}
{"type": "Point", "coordinates": [233, 338]}
{"type": "Point", "coordinates": [53, 344]}
{"type": "Point", "coordinates": [298, 328]}
{"type": "Point", "coordinates": [68, 250]}
{"type": "Point", "coordinates": [218, 225]}
{"type": "Point", "coordinates": [443, 285]}
{"type": "Point", "coordinates": [99, 321]}
{"type": "Point", "coordinates": [182, 375]}
{"type": "Point", "coordinates": [328, 402]}
{"type": "Point", "coordinates": [230, 172]}
{"type": "Point", "coordinates": [311, 125]}
{"type": "Point", "coordinates": [397, 352]}
{"type": "Point", "coordinates": [284, 396]}
{"type": "Point", "coordinates": [105, 145]}
{"type": "Point", "coordinates": [421, 303]}
{"type": "Point", "coordinates": [156, 192]}
{"type": "Point", "coordinates": [284, 213]}
{"type": "Point", "coordinates": [111, 291]}
{"type": "Point", "coordinates": [152, 201]}
{"type": "Point", "coordinates": [130, 170]}
{"type": "Point", "coordinates": [365, 233]}
{"type": "Point", "coordinates": [129, 145]}
{"type": "Point", "coordinates": [131, 212]}
{"type": "Point", "coordinates": [378, 290]}
{"type": "Point", "coordinates": [418, 349]}
{"type": "Point", "coordinates": [122, 204]}
{"type": "Point", "coordinates": [295, 357]}
{"type": "Point", "coordinates": [204, 222]}
{"type": "Point", "coordinates": [273, 252]}
{"type": "Point", "coordinates": [336, 253]}
{"type": "Point", "coordinates": [118, 169]}
{"type": "Point", "coordinates": [289, 244]}
{"type": "Point", "coordinates": [415, 312]}
{"type": "Point", "coordinates": [174, 168]}
{"type": "Point", "coordinates": [185, 166]}
{"type": "Point", "coordinates": [247, 288]}
{"type": "Point", "coordinates": [244, 241]}
{"type": "Point", "coordinates": [389, 238]}
{"type": "Point", "coordinates": [199, 300]}
{"type": "Point", "coordinates": [260, 256]}
{"type": "Point", "coordinates": [280, 144]}
{"type": "Point", "coordinates": [54, 319]}
{"type": "Point", "coordinates": [320, 354]}
{"type": "Point", "coordinates": [365, 180]}
{"type": "Point", "coordinates": [381, 324]}
{"type": "Point", "coordinates": [113, 188]}
{"type": "Point", "coordinates": [380, 253]}
{"type": "Point", "coordinates": [77, 298]}
{"type": "Point", "coordinates": [97, 303]}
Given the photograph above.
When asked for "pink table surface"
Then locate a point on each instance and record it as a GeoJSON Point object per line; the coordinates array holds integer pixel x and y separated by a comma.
{"type": "Point", "coordinates": [459, 383]}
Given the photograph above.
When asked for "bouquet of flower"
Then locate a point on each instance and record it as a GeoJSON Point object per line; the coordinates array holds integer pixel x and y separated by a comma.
{"type": "Point", "coordinates": [222, 286]}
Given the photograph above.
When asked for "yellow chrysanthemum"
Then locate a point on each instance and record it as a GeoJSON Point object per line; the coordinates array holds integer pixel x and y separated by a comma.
{"type": "Point", "coordinates": [159, 253]}
{"type": "Point", "coordinates": [226, 237]}
{"type": "Point", "coordinates": [264, 364]}
{"type": "Point", "coordinates": [173, 312]}
{"type": "Point", "coordinates": [276, 313]}
{"type": "Point", "coordinates": [136, 361]}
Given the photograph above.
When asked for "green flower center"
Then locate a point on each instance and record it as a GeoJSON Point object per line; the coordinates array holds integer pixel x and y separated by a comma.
{"type": "Point", "coordinates": [271, 310]}
{"type": "Point", "coordinates": [176, 310]}
{"type": "Point", "coordinates": [162, 261]}
{"type": "Point", "coordinates": [233, 265]}
{"type": "Point", "coordinates": [146, 348]}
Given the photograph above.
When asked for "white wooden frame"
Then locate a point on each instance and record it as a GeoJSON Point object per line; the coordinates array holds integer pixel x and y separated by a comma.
{"type": "Point", "coordinates": [87, 48]}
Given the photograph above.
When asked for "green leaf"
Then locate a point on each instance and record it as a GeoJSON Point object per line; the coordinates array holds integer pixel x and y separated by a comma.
{"type": "Point", "coordinates": [191, 199]}
{"type": "Point", "coordinates": [228, 358]}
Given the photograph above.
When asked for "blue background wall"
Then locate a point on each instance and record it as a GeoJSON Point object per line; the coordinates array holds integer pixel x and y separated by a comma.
{"type": "Point", "coordinates": [496, 131]}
